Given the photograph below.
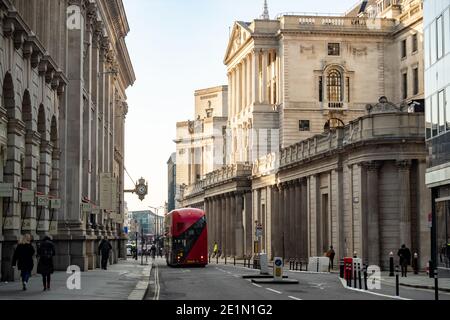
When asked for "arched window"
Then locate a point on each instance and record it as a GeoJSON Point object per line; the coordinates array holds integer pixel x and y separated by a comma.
{"type": "Point", "coordinates": [334, 86]}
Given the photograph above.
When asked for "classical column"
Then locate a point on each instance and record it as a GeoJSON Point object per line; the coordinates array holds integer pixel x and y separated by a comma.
{"type": "Point", "coordinates": [373, 214]}
{"type": "Point", "coordinates": [274, 218]}
{"type": "Point", "coordinates": [280, 227]}
{"type": "Point", "coordinates": [249, 79]}
{"type": "Point", "coordinates": [223, 227]}
{"type": "Point", "coordinates": [238, 88]}
{"type": "Point", "coordinates": [404, 173]}
{"type": "Point", "coordinates": [218, 221]}
{"type": "Point", "coordinates": [238, 243]}
{"type": "Point", "coordinates": [208, 220]}
{"type": "Point", "coordinates": [255, 77]}
{"type": "Point", "coordinates": [74, 161]}
{"type": "Point", "coordinates": [244, 83]}
{"type": "Point", "coordinates": [230, 96]}
{"type": "Point", "coordinates": [304, 218]}
{"type": "Point", "coordinates": [292, 224]}
{"type": "Point", "coordinates": [234, 101]}
{"type": "Point", "coordinates": [264, 76]}
{"type": "Point", "coordinates": [248, 223]}
{"type": "Point", "coordinates": [298, 223]}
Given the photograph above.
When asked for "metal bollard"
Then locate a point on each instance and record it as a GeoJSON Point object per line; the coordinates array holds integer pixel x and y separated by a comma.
{"type": "Point", "coordinates": [225, 259]}
{"type": "Point", "coordinates": [355, 275]}
{"type": "Point", "coordinates": [391, 264]}
{"type": "Point", "coordinates": [234, 260]}
{"type": "Point", "coordinates": [348, 274]}
{"type": "Point", "coordinates": [365, 277]}
{"type": "Point", "coordinates": [296, 265]}
{"type": "Point", "coordinates": [416, 263]}
{"type": "Point", "coordinates": [397, 281]}
{"type": "Point", "coordinates": [359, 276]}
{"type": "Point", "coordinates": [217, 259]}
{"type": "Point", "coordinates": [341, 268]}
{"type": "Point", "coordinates": [436, 285]}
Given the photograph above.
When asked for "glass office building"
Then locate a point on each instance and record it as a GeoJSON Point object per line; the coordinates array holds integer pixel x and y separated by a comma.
{"type": "Point", "coordinates": [437, 93]}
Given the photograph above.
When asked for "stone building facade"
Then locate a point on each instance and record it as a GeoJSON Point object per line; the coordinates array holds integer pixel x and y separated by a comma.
{"type": "Point", "coordinates": [64, 69]}
{"type": "Point", "coordinates": [289, 82]}
{"type": "Point", "coordinates": [200, 143]}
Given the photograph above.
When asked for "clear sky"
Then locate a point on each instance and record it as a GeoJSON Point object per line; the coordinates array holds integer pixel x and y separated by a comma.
{"type": "Point", "coordinates": [177, 47]}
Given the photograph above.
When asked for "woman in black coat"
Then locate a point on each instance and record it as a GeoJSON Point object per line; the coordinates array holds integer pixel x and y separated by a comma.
{"type": "Point", "coordinates": [46, 252]}
{"type": "Point", "coordinates": [23, 258]}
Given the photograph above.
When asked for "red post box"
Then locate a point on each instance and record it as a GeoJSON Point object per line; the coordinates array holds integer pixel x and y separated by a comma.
{"type": "Point", "coordinates": [348, 274]}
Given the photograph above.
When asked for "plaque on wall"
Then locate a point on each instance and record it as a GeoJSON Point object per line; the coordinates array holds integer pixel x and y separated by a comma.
{"type": "Point", "coordinates": [55, 203]}
{"type": "Point", "coordinates": [28, 196]}
{"type": "Point", "coordinates": [6, 190]}
{"type": "Point", "coordinates": [87, 207]}
{"type": "Point", "coordinates": [42, 201]}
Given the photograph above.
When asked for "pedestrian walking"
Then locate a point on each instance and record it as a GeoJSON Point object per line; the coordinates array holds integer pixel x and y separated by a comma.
{"type": "Point", "coordinates": [153, 251]}
{"type": "Point", "coordinates": [103, 250]}
{"type": "Point", "coordinates": [23, 258]}
{"type": "Point", "coordinates": [215, 249]}
{"type": "Point", "coordinates": [331, 254]}
{"type": "Point", "coordinates": [405, 259]}
{"type": "Point", "coordinates": [46, 252]}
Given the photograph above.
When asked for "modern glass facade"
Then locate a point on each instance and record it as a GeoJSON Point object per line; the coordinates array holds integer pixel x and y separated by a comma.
{"type": "Point", "coordinates": [437, 93]}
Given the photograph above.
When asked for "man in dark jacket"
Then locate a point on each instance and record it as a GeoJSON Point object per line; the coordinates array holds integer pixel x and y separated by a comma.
{"type": "Point", "coordinates": [405, 259]}
{"type": "Point", "coordinates": [104, 248]}
{"type": "Point", "coordinates": [46, 252]}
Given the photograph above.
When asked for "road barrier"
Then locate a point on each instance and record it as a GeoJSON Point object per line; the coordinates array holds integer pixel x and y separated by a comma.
{"type": "Point", "coordinates": [436, 285]}
{"type": "Point", "coordinates": [397, 281]}
{"type": "Point", "coordinates": [365, 277]}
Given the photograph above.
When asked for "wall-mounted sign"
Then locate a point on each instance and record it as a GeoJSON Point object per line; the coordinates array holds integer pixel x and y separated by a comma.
{"type": "Point", "coordinates": [6, 190]}
{"type": "Point", "coordinates": [42, 201]}
{"type": "Point", "coordinates": [87, 207]}
{"type": "Point", "coordinates": [55, 203]}
{"type": "Point", "coordinates": [95, 210]}
{"type": "Point", "coordinates": [106, 191]}
{"type": "Point", "coordinates": [28, 196]}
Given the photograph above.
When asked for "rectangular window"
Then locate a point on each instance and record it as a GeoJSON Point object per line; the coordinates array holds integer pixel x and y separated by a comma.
{"type": "Point", "coordinates": [320, 89]}
{"type": "Point", "coordinates": [347, 85]}
{"type": "Point", "coordinates": [441, 107]}
{"type": "Point", "coordinates": [334, 49]}
{"type": "Point", "coordinates": [416, 81]}
{"type": "Point", "coordinates": [440, 38]}
{"type": "Point", "coordinates": [304, 125]}
{"type": "Point", "coordinates": [428, 118]}
{"type": "Point", "coordinates": [434, 115]}
{"type": "Point", "coordinates": [427, 53]}
{"type": "Point", "coordinates": [415, 43]}
{"type": "Point", "coordinates": [405, 85]}
{"type": "Point", "coordinates": [447, 108]}
{"type": "Point", "coordinates": [403, 44]}
{"type": "Point", "coordinates": [433, 43]}
{"type": "Point", "coordinates": [447, 31]}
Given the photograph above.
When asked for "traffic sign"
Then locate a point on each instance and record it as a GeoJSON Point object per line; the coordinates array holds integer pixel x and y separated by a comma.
{"type": "Point", "coordinates": [278, 268]}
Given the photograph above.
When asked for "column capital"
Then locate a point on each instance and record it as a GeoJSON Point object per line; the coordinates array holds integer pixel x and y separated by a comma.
{"type": "Point", "coordinates": [372, 165]}
{"type": "Point", "coordinates": [404, 164]}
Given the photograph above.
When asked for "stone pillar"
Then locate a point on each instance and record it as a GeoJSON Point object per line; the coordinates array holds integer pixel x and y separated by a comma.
{"type": "Point", "coordinates": [275, 223]}
{"type": "Point", "coordinates": [255, 77]}
{"type": "Point", "coordinates": [287, 220]}
{"type": "Point", "coordinates": [208, 224]}
{"type": "Point", "coordinates": [248, 223]}
{"type": "Point", "coordinates": [304, 218]}
{"type": "Point", "coordinates": [249, 79]}
{"type": "Point", "coordinates": [280, 228]}
{"type": "Point", "coordinates": [11, 206]}
{"type": "Point", "coordinates": [373, 214]}
{"type": "Point", "coordinates": [297, 221]}
{"type": "Point", "coordinates": [238, 225]}
{"type": "Point", "coordinates": [244, 83]}
{"type": "Point", "coordinates": [264, 76]}
{"type": "Point", "coordinates": [338, 196]}
{"type": "Point", "coordinates": [231, 218]}
{"type": "Point", "coordinates": [234, 93]}
{"type": "Point", "coordinates": [224, 215]}
{"type": "Point", "coordinates": [292, 221]}
{"type": "Point", "coordinates": [43, 186]}
{"type": "Point", "coordinates": [74, 143]}
{"type": "Point", "coordinates": [238, 88]}
{"type": "Point", "coordinates": [230, 94]}
{"type": "Point", "coordinates": [404, 201]}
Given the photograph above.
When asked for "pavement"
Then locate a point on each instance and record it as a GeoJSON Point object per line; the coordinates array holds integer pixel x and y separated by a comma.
{"type": "Point", "coordinates": [420, 281]}
{"type": "Point", "coordinates": [127, 280]}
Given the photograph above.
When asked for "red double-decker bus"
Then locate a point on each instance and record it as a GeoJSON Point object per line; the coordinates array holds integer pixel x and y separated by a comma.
{"type": "Point", "coordinates": [186, 238]}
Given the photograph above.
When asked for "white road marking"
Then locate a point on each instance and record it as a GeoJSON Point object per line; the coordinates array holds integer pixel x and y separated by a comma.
{"type": "Point", "coordinates": [257, 285]}
{"type": "Point", "coordinates": [294, 298]}
{"type": "Point", "coordinates": [274, 291]}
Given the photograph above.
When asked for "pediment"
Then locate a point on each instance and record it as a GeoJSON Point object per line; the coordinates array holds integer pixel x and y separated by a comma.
{"type": "Point", "coordinates": [239, 37]}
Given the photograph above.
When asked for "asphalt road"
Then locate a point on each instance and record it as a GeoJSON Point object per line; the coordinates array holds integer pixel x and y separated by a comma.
{"type": "Point", "coordinates": [225, 282]}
